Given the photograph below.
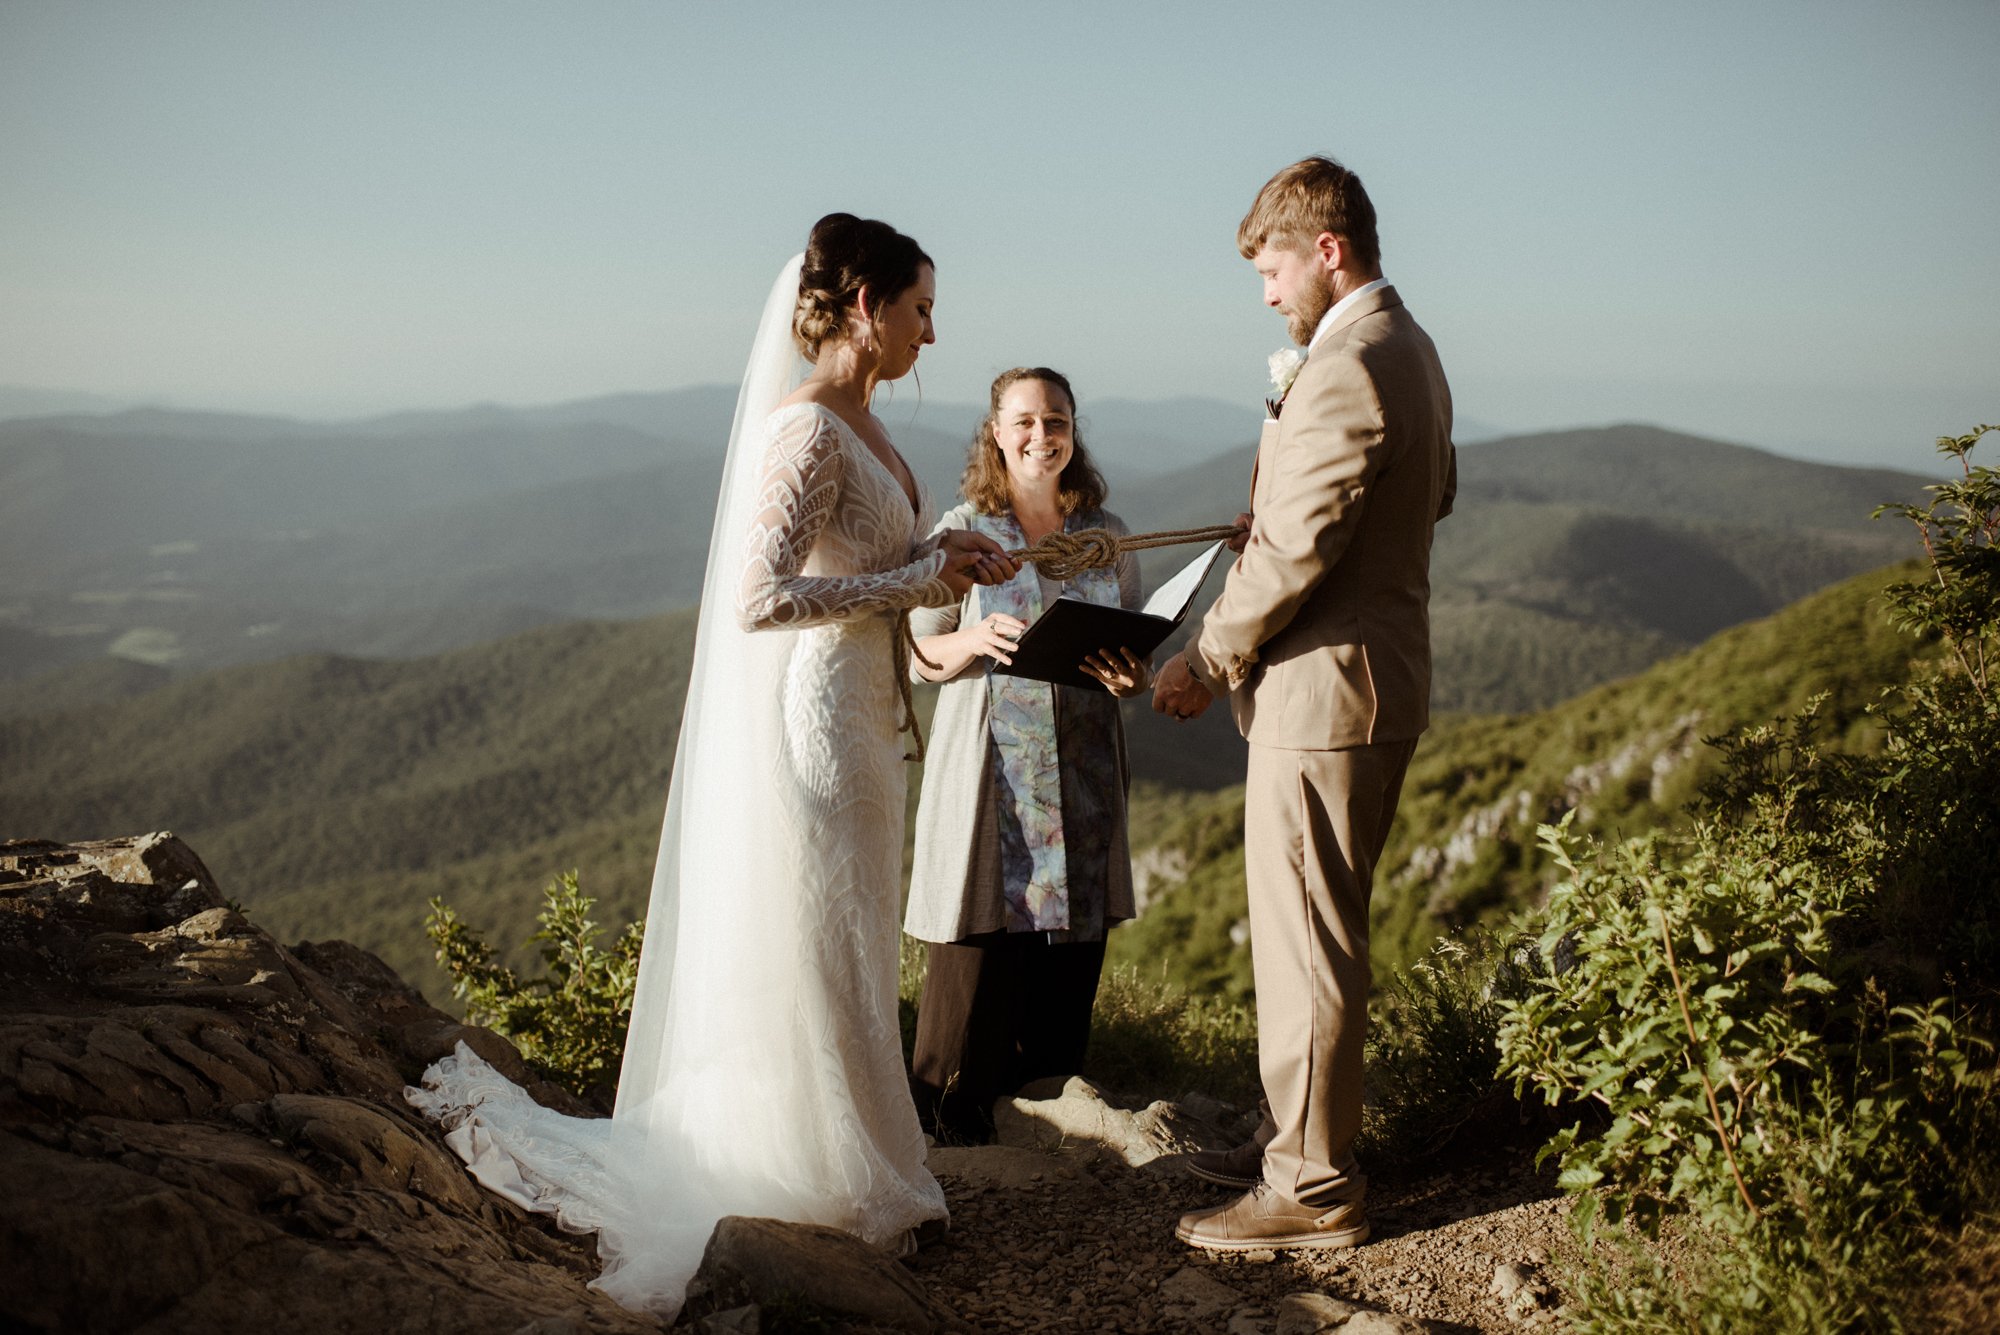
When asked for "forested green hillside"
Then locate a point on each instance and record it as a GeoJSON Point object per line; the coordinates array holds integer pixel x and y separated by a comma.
{"type": "Point", "coordinates": [333, 796]}
{"type": "Point", "coordinates": [1626, 756]}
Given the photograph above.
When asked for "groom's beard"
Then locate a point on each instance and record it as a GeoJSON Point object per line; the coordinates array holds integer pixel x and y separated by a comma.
{"type": "Point", "coordinates": [1303, 319]}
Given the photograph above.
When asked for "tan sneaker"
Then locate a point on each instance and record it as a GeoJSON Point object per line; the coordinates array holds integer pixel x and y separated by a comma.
{"type": "Point", "coordinates": [1262, 1219]}
{"type": "Point", "coordinates": [1242, 1167]}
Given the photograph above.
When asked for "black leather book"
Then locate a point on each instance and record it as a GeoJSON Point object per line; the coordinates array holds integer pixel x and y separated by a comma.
{"type": "Point", "coordinates": [1070, 629]}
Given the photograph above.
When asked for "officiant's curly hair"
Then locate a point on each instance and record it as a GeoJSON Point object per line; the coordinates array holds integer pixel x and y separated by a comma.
{"type": "Point", "coordinates": [1311, 196]}
{"type": "Point", "coordinates": [1080, 489]}
{"type": "Point", "coordinates": [844, 255]}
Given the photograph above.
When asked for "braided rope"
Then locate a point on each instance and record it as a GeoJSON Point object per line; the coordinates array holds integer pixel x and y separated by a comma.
{"type": "Point", "coordinates": [1067, 555]}
{"type": "Point", "coordinates": [1060, 556]}
{"type": "Point", "coordinates": [906, 648]}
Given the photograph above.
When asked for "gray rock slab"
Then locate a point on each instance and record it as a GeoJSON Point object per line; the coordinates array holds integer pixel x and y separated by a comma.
{"type": "Point", "coordinates": [771, 1262]}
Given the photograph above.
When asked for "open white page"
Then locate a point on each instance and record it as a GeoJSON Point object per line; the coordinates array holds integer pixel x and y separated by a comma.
{"type": "Point", "coordinates": [1171, 599]}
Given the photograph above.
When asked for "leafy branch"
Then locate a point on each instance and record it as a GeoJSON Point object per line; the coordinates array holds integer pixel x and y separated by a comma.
{"type": "Point", "coordinates": [1958, 530]}
{"type": "Point", "coordinates": [570, 1020]}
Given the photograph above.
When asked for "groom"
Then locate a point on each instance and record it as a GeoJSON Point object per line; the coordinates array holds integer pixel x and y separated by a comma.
{"type": "Point", "coordinates": [1321, 640]}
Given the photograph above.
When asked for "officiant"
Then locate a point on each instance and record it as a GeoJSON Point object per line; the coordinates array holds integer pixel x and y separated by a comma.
{"type": "Point", "coordinates": [1021, 864]}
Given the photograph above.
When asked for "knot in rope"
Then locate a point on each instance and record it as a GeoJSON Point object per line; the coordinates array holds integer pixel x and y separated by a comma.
{"type": "Point", "coordinates": [1067, 555]}
{"type": "Point", "coordinates": [1059, 556]}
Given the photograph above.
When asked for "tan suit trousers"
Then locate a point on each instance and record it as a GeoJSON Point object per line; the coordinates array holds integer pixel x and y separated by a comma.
{"type": "Point", "coordinates": [1314, 825]}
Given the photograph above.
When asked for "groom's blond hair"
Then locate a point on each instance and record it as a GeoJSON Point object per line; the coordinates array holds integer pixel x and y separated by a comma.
{"type": "Point", "coordinates": [1311, 196]}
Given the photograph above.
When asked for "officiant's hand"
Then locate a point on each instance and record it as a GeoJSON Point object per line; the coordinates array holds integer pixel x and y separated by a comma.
{"type": "Point", "coordinates": [1242, 538]}
{"type": "Point", "coordinates": [1177, 693]}
{"type": "Point", "coordinates": [992, 635]}
{"type": "Point", "coordinates": [1122, 671]}
{"type": "Point", "coordinates": [973, 558]}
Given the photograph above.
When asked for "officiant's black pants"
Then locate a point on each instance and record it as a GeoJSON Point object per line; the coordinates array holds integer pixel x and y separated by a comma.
{"type": "Point", "coordinates": [999, 1010]}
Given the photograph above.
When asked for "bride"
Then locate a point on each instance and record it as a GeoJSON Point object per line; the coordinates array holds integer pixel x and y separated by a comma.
{"type": "Point", "coordinates": [763, 1068]}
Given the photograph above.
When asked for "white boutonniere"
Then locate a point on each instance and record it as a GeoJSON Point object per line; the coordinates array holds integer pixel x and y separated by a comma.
{"type": "Point", "coordinates": [1285, 364]}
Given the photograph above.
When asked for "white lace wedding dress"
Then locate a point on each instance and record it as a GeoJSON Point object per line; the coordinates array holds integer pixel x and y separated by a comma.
{"type": "Point", "coordinates": [763, 1073]}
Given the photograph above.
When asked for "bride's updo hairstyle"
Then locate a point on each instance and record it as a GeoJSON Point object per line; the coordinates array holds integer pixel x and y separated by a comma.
{"type": "Point", "coordinates": [844, 255]}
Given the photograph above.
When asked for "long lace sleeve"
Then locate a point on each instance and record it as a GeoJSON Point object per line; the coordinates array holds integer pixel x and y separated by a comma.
{"type": "Point", "coordinates": [803, 471]}
{"type": "Point", "coordinates": [939, 620]}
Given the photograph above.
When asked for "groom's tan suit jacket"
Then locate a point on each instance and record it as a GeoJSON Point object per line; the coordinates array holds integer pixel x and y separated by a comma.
{"type": "Point", "coordinates": [1322, 632]}
{"type": "Point", "coordinates": [1322, 636]}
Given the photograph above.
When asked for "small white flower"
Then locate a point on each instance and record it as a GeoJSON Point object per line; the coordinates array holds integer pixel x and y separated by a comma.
{"type": "Point", "coordinates": [1285, 364]}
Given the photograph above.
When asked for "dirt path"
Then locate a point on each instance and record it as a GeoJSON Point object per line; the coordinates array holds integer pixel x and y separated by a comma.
{"type": "Point", "coordinates": [1073, 1241]}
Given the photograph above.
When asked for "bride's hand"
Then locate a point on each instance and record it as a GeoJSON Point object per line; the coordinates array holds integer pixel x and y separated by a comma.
{"type": "Point", "coordinates": [973, 558]}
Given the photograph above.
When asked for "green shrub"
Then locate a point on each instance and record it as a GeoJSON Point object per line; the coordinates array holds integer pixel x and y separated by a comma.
{"type": "Point", "coordinates": [1433, 1047]}
{"type": "Point", "coordinates": [1813, 1132]}
{"type": "Point", "coordinates": [1785, 1016]}
{"type": "Point", "coordinates": [570, 1021]}
{"type": "Point", "coordinates": [1153, 1037]}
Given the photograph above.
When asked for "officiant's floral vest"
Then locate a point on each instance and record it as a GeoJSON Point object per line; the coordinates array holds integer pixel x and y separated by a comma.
{"type": "Point", "coordinates": [1054, 761]}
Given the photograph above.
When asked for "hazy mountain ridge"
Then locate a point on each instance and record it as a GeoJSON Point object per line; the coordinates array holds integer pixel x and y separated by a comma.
{"type": "Point", "coordinates": [1574, 558]}
{"type": "Point", "coordinates": [192, 541]}
{"type": "Point", "coordinates": [41, 401]}
{"type": "Point", "coordinates": [1633, 469]}
{"type": "Point", "coordinates": [67, 492]}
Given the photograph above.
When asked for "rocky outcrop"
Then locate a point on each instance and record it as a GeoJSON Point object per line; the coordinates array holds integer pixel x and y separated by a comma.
{"type": "Point", "coordinates": [1513, 817]}
{"type": "Point", "coordinates": [201, 1129]}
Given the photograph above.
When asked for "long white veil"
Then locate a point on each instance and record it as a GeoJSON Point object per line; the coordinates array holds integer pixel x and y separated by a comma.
{"type": "Point", "coordinates": [711, 1085]}
{"type": "Point", "coordinates": [716, 824]}
{"type": "Point", "coordinates": [718, 1112]}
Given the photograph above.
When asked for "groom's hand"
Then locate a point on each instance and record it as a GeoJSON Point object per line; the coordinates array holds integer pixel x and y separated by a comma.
{"type": "Point", "coordinates": [1177, 693]}
{"type": "Point", "coordinates": [1242, 538]}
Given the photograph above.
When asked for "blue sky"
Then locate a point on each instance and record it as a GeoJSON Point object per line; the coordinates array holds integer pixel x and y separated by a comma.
{"type": "Point", "coordinates": [1773, 223]}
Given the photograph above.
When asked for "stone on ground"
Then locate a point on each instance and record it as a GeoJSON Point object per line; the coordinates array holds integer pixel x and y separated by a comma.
{"type": "Point", "coordinates": [1007, 1167]}
{"type": "Point", "coordinates": [1311, 1313]}
{"type": "Point", "coordinates": [1077, 1114]}
{"type": "Point", "coordinates": [769, 1262]}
